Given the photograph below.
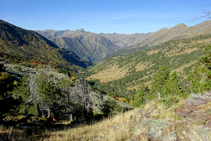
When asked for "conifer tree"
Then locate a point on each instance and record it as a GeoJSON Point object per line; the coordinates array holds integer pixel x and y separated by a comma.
{"type": "Point", "coordinates": [172, 87]}
{"type": "Point", "coordinates": [23, 91]}
{"type": "Point", "coordinates": [159, 81]}
{"type": "Point", "coordinates": [195, 78]}
{"type": "Point", "coordinates": [141, 96]}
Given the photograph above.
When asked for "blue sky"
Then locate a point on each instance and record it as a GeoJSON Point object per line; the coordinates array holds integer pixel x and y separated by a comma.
{"type": "Point", "coordinates": [103, 16]}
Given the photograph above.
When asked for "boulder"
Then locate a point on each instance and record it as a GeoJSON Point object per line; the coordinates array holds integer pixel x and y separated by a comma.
{"type": "Point", "coordinates": [154, 126]}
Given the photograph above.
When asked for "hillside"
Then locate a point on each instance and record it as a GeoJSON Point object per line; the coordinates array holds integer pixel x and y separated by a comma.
{"type": "Point", "coordinates": [180, 31]}
{"type": "Point", "coordinates": [87, 45]}
{"type": "Point", "coordinates": [29, 45]}
{"type": "Point", "coordinates": [121, 73]}
{"type": "Point", "coordinates": [126, 40]}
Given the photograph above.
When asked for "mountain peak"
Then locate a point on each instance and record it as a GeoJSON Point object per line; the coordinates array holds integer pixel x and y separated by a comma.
{"type": "Point", "coordinates": [81, 30]}
{"type": "Point", "coordinates": [181, 25]}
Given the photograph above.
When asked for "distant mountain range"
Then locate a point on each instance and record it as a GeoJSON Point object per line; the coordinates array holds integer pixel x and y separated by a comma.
{"type": "Point", "coordinates": [126, 40]}
{"type": "Point", "coordinates": [179, 31]}
{"type": "Point", "coordinates": [87, 45]}
{"type": "Point", "coordinates": [95, 47]}
{"type": "Point", "coordinates": [30, 45]}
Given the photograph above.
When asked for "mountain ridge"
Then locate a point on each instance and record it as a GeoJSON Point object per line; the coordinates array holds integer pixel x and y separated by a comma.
{"type": "Point", "coordinates": [28, 44]}
{"type": "Point", "coordinates": [89, 46]}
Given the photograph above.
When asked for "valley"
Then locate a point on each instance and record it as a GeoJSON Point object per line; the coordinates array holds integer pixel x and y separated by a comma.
{"type": "Point", "coordinates": [79, 85]}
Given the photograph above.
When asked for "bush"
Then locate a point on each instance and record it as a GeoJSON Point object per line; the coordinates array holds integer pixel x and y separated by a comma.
{"type": "Point", "coordinates": [169, 101]}
{"type": "Point", "coordinates": [19, 69]}
{"type": "Point", "coordinates": [111, 106]}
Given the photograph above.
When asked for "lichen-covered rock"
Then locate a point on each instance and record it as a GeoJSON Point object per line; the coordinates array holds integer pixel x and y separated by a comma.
{"type": "Point", "coordinates": [154, 126]}
{"type": "Point", "coordinates": [200, 134]}
{"type": "Point", "coordinates": [99, 99]}
{"type": "Point", "coordinates": [170, 137]}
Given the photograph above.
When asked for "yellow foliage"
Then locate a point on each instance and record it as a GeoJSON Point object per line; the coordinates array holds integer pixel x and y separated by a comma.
{"type": "Point", "coordinates": [56, 56]}
{"type": "Point", "coordinates": [73, 77]}
{"type": "Point", "coordinates": [3, 76]}
{"type": "Point", "coordinates": [131, 102]}
{"type": "Point", "coordinates": [95, 112]}
{"type": "Point", "coordinates": [15, 83]}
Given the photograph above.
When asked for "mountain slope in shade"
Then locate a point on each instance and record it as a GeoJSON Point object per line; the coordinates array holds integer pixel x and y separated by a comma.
{"type": "Point", "coordinates": [28, 44]}
{"type": "Point", "coordinates": [87, 45]}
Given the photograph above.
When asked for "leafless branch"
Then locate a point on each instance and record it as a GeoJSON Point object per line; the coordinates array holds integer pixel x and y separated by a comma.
{"type": "Point", "coordinates": [207, 15]}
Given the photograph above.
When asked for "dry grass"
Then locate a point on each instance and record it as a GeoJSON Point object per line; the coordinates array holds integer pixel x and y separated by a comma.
{"type": "Point", "coordinates": [142, 66]}
{"type": "Point", "coordinates": [110, 74]}
{"type": "Point", "coordinates": [116, 128]}
{"type": "Point", "coordinates": [152, 52]}
{"type": "Point", "coordinates": [174, 52]}
{"type": "Point", "coordinates": [180, 69]}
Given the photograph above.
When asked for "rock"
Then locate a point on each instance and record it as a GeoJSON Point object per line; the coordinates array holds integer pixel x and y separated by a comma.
{"type": "Point", "coordinates": [170, 137]}
{"type": "Point", "coordinates": [138, 111]}
{"type": "Point", "coordinates": [99, 99]}
{"type": "Point", "coordinates": [154, 126]}
{"type": "Point", "coordinates": [200, 133]}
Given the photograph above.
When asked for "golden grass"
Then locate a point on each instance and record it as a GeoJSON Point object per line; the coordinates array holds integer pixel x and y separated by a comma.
{"type": "Point", "coordinates": [116, 128]}
{"type": "Point", "coordinates": [110, 74]}
{"type": "Point", "coordinates": [152, 52]}
{"type": "Point", "coordinates": [174, 52]}
{"type": "Point", "coordinates": [142, 66]}
{"type": "Point", "coordinates": [181, 68]}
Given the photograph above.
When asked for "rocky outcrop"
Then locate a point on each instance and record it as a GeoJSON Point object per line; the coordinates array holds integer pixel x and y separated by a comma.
{"type": "Point", "coordinates": [200, 134]}
{"type": "Point", "coordinates": [99, 99]}
{"type": "Point", "coordinates": [154, 126]}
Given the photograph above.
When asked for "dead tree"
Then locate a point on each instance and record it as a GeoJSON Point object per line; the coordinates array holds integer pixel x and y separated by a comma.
{"type": "Point", "coordinates": [207, 15]}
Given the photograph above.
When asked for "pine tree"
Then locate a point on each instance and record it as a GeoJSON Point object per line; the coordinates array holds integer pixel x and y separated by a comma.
{"type": "Point", "coordinates": [141, 96]}
{"type": "Point", "coordinates": [159, 81]}
{"type": "Point", "coordinates": [22, 90]}
{"type": "Point", "coordinates": [172, 87]}
{"type": "Point", "coordinates": [195, 78]}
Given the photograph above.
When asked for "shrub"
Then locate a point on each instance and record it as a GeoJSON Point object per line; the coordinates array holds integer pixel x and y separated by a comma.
{"type": "Point", "coordinates": [111, 106]}
{"type": "Point", "coordinates": [95, 113]}
{"type": "Point", "coordinates": [19, 69]}
{"type": "Point", "coordinates": [169, 101]}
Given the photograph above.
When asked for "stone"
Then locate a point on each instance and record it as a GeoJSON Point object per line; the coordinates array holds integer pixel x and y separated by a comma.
{"type": "Point", "coordinates": [154, 126]}
{"type": "Point", "coordinates": [200, 133]}
{"type": "Point", "coordinates": [170, 137]}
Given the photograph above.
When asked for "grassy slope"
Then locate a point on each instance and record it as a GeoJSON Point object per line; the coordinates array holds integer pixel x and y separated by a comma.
{"type": "Point", "coordinates": [122, 126]}
{"type": "Point", "coordinates": [179, 31]}
{"type": "Point", "coordinates": [180, 55]}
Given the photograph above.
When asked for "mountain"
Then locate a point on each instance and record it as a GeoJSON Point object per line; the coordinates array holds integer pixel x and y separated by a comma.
{"type": "Point", "coordinates": [125, 40]}
{"type": "Point", "coordinates": [179, 31]}
{"type": "Point", "coordinates": [50, 34]}
{"type": "Point", "coordinates": [89, 46]}
{"type": "Point", "coordinates": [30, 45]}
{"type": "Point", "coordinates": [121, 73]}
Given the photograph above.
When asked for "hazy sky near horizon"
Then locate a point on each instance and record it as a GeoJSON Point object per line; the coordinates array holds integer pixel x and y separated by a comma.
{"type": "Point", "coordinates": [103, 16]}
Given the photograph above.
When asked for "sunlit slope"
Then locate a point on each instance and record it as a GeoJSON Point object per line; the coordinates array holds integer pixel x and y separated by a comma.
{"type": "Point", "coordinates": [131, 70]}
{"type": "Point", "coordinates": [180, 31]}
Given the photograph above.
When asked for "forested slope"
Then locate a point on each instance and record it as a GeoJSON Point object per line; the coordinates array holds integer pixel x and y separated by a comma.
{"type": "Point", "coordinates": [121, 73]}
